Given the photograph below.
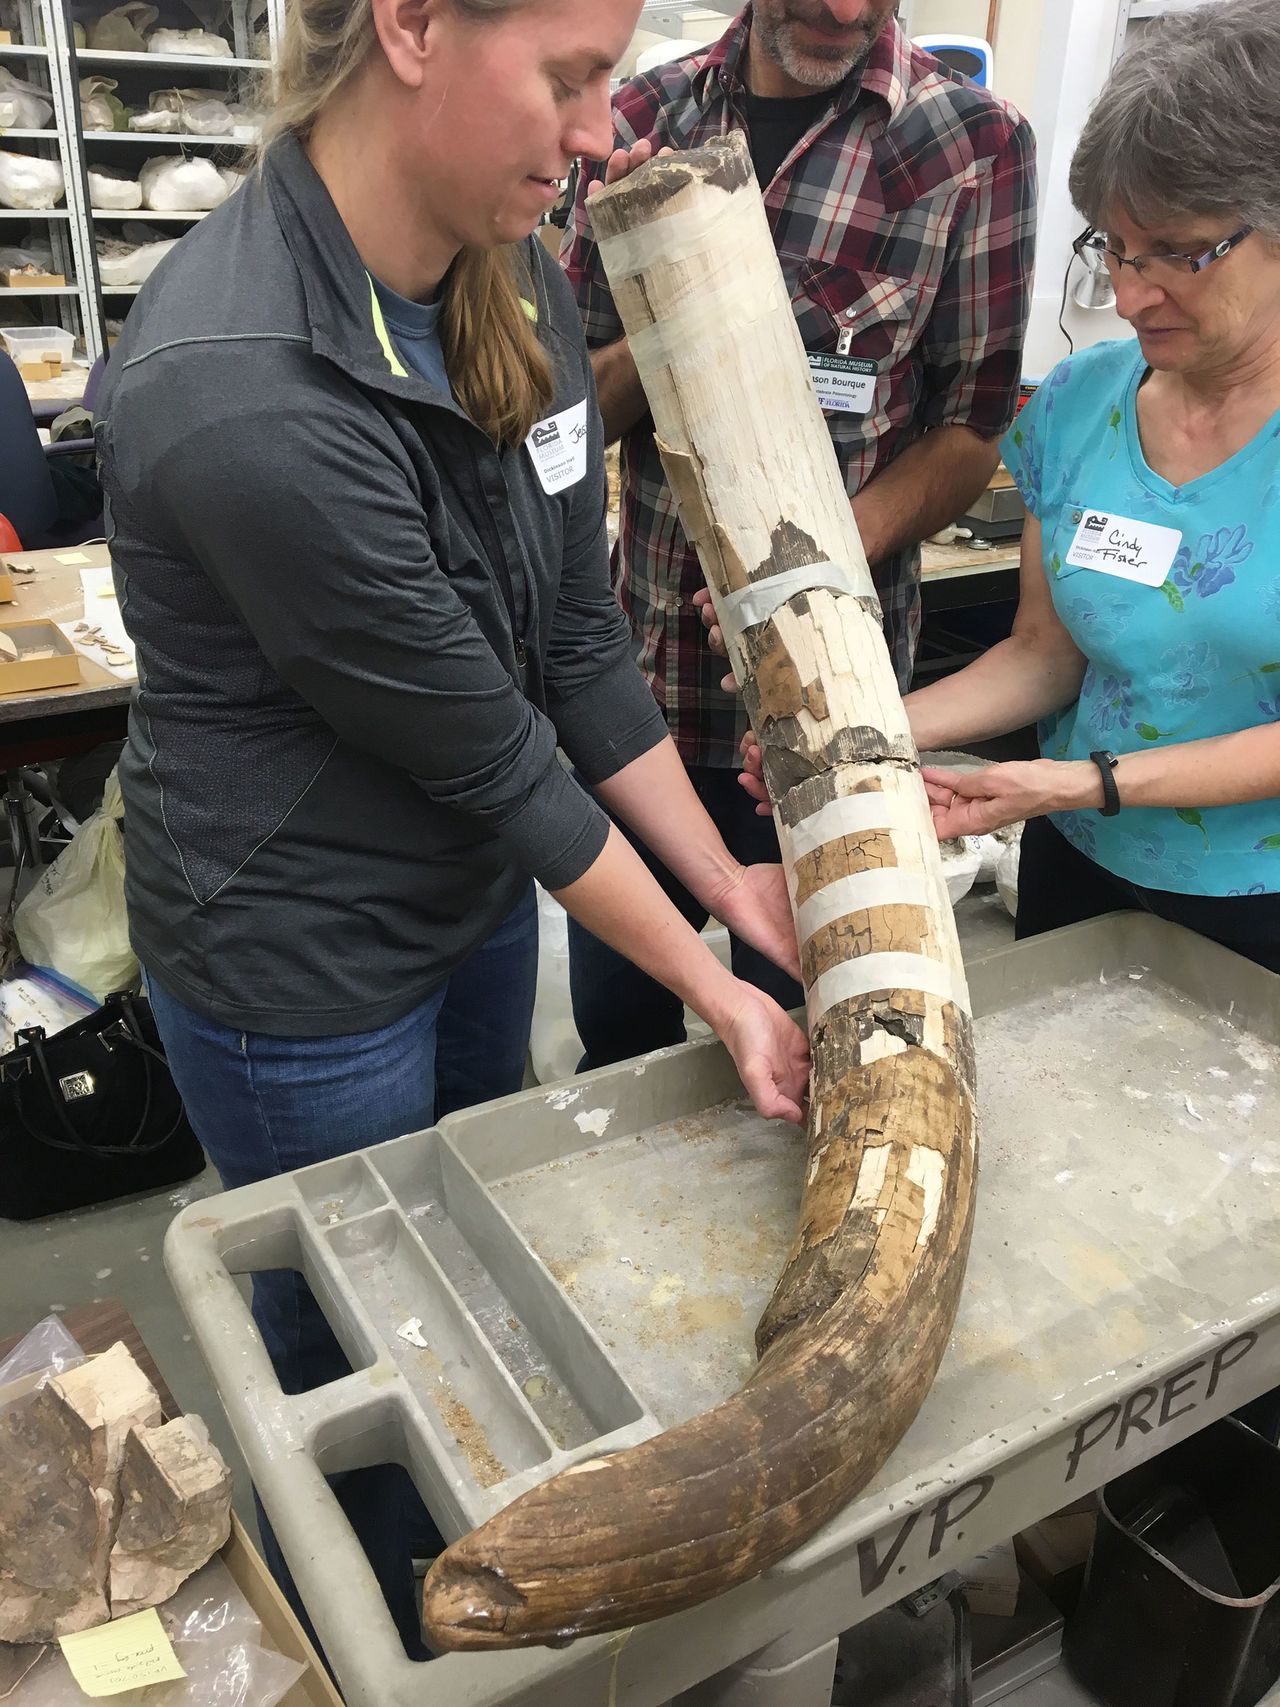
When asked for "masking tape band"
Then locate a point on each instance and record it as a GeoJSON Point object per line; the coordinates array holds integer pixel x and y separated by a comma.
{"type": "Point", "coordinates": [884, 887]}
{"type": "Point", "coordinates": [665, 241]}
{"type": "Point", "coordinates": [851, 815]}
{"type": "Point", "coordinates": [747, 607]}
{"type": "Point", "coordinates": [871, 972]}
{"type": "Point", "coordinates": [710, 316]}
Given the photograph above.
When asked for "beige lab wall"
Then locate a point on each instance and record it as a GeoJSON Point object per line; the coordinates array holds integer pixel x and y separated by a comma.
{"type": "Point", "coordinates": [1017, 43]}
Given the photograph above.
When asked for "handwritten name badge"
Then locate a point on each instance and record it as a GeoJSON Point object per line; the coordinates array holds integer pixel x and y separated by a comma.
{"type": "Point", "coordinates": [558, 447]}
{"type": "Point", "coordinates": [1114, 545]}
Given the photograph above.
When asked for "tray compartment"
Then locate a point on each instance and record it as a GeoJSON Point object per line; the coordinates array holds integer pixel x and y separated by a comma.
{"type": "Point", "coordinates": [547, 1350]}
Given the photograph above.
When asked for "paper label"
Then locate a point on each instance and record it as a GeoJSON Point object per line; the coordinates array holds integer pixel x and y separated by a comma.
{"type": "Point", "coordinates": [845, 384]}
{"type": "Point", "coordinates": [73, 557]}
{"type": "Point", "coordinates": [128, 1653]}
{"type": "Point", "coordinates": [1114, 545]}
{"type": "Point", "coordinates": [558, 447]}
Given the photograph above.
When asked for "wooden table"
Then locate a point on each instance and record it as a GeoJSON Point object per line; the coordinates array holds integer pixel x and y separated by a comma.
{"type": "Point", "coordinates": [95, 1328]}
{"type": "Point", "coordinates": [955, 576]}
{"type": "Point", "coordinates": [959, 578]}
{"type": "Point", "coordinates": [53, 594]}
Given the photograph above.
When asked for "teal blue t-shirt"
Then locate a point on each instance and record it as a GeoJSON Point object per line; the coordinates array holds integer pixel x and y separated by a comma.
{"type": "Point", "coordinates": [1195, 656]}
{"type": "Point", "coordinates": [415, 332]}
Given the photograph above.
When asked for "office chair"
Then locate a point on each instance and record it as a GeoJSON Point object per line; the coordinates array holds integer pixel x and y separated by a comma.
{"type": "Point", "coordinates": [28, 490]}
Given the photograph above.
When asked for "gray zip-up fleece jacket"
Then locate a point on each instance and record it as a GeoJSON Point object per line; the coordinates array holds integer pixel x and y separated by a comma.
{"type": "Point", "coordinates": [361, 630]}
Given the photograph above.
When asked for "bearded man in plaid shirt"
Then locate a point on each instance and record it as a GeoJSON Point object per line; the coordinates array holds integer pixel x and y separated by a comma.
{"type": "Point", "coordinates": [902, 203]}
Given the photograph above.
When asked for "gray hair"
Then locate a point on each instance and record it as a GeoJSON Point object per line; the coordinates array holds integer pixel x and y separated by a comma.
{"type": "Point", "coordinates": [1189, 122]}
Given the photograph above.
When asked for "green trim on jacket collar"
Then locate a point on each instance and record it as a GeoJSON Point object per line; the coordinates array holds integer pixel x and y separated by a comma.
{"type": "Point", "coordinates": [383, 336]}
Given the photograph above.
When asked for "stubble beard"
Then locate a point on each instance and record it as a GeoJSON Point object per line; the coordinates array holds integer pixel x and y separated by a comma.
{"type": "Point", "coordinates": [818, 67]}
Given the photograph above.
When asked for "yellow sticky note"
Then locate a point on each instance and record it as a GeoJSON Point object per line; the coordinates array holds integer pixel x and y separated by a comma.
{"type": "Point", "coordinates": [128, 1653]}
{"type": "Point", "coordinates": [73, 557]}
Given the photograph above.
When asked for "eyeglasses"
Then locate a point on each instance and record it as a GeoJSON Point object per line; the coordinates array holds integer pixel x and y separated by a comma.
{"type": "Point", "coordinates": [1159, 266]}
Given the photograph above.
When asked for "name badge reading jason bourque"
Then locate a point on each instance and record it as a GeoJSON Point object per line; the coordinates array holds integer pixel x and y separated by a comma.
{"type": "Point", "coordinates": [1114, 545]}
{"type": "Point", "coordinates": [558, 447]}
{"type": "Point", "coordinates": [846, 385]}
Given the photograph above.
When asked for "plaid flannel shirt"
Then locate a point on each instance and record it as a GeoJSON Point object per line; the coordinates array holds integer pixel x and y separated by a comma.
{"type": "Point", "coordinates": [906, 216]}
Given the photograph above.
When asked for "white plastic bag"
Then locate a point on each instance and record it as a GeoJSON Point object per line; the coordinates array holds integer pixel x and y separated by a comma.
{"type": "Point", "coordinates": [38, 997]}
{"type": "Point", "coordinates": [246, 121]}
{"type": "Point", "coordinates": [193, 112]}
{"type": "Point", "coordinates": [111, 188]}
{"type": "Point", "coordinates": [26, 182]}
{"type": "Point", "coordinates": [100, 107]}
{"type": "Point", "coordinates": [190, 42]}
{"type": "Point", "coordinates": [33, 256]}
{"type": "Point", "coordinates": [961, 860]}
{"type": "Point", "coordinates": [232, 178]}
{"type": "Point", "coordinates": [47, 1350]}
{"type": "Point", "coordinates": [73, 919]}
{"type": "Point", "coordinates": [1007, 877]}
{"type": "Point", "coordinates": [181, 186]}
{"type": "Point", "coordinates": [217, 1638]}
{"type": "Point", "coordinates": [123, 30]}
{"type": "Point", "coordinates": [23, 106]}
{"type": "Point", "coordinates": [126, 264]}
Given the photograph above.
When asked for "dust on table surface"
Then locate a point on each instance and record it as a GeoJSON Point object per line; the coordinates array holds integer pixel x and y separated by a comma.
{"type": "Point", "coordinates": [473, 1441]}
{"type": "Point", "coordinates": [1129, 1193]}
{"type": "Point", "coordinates": [670, 1242]}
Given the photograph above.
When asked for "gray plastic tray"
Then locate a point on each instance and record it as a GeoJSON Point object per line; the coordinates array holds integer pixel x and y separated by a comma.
{"type": "Point", "coordinates": [586, 1263]}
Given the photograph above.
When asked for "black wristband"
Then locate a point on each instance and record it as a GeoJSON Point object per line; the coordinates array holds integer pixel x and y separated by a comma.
{"type": "Point", "coordinates": [1106, 763]}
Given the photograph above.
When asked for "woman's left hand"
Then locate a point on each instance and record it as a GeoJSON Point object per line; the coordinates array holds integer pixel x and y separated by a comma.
{"type": "Point", "coordinates": [755, 906]}
{"type": "Point", "coordinates": [974, 803]}
{"type": "Point", "coordinates": [623, 162]}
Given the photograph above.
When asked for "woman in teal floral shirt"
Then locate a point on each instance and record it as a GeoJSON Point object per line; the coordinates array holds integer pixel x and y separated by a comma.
{"type": "Point", "coordinates": [1147, 641]}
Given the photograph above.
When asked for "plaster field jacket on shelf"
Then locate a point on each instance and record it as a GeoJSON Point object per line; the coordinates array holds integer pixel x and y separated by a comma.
{"type": "Point", "coordinates": [361, 629]}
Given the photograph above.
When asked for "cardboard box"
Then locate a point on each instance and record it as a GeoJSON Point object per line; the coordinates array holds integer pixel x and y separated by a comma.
{"type": "Point", "coordinates": [6, 38]}
{"type": "Point", "coordinates": [6, 588]}
{"type": "Point", "coordinates": [26, 675]}
{"type": "Point", "coordinates": [1055, 1552]}
{"type": "Point", "coordinates": [14, 278]}
{"type": "Point", "coordinates": [37, 370]}
{"type": "Point", "coordinates": [280, 1628]}
{"type": "Point", "coordinates": [992, 1582]}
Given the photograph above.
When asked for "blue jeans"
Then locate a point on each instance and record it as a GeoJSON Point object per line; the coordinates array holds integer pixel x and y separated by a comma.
{"type": "Point", "coordinates": [619, 1011]}
{"type": "Point", "coordinates": [264, 1105]}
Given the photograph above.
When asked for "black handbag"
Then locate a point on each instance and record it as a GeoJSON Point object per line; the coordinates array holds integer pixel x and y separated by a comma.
{"type": "Point", "coordinates": [91, 1113]}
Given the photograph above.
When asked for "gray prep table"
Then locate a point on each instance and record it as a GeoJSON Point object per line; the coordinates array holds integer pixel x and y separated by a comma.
{"type": "Point", "coordinates": [585, 1265]}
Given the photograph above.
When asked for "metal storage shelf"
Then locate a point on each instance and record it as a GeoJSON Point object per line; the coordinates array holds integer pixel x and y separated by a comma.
{"type": "Point", "coordinates": [1158, 8]}
{"type": "Point", "coordinates": [158, 136]}
{"type": "Point", "coordinates": [37, 290]}
{"type": "Point", "coordinates": [1139, 11]}
{"type": "Point", "coordinates": [146, 214]}
{"type": "Point", "coordinates": [57, 66]}
{"type": "Point", "coordinates": [1059, 1689]}
{"type": "Point", "coordinates": [190, 61]}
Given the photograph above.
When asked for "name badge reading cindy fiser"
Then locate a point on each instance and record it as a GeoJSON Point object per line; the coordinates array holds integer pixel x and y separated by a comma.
{"type": "Point", "coordinates": [1115, 545]}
